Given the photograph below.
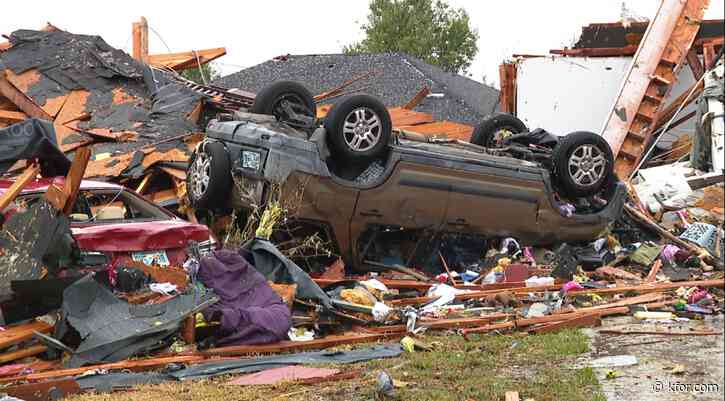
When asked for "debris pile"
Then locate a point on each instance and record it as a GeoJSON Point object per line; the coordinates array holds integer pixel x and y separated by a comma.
{"type": "Point", "coordinates": [101, 289]}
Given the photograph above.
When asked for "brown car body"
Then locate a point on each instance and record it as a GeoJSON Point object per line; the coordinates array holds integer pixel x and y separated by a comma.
{"type": "Point", "coordinates": [446, 188]}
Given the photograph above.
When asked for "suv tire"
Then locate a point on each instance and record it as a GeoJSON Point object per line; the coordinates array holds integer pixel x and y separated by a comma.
{"type": "Point", "coordinates": [209, 178]}
{"type": "Point", "coordinates": [269, 99]}
{"type": "Point", "coordinates": [582, 163]}
{"type": "Point", "coordinates": [495, 127]}
{"type": "Point", "coordinates": [359, 128]}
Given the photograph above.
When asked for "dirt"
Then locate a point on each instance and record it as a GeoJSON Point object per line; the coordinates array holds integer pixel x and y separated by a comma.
{"type": "Point", "coordinates": [666, 365]}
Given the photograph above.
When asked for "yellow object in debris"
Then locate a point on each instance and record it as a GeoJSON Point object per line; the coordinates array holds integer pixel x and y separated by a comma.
{"type": "Point", "coordinates": [357, 296]}
{"type": "Point", "coordinates": [502, 263]}
{"type": "Point", "coordinates": [408, 344]}
{"type": "Point", "coordinates": [270, 217]}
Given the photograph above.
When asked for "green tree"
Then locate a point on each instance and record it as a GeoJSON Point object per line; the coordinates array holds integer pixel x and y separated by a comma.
{"type": "Point", "coordinates": [430, 30]}
{"type": "Point", "coordinates": [194, 74]}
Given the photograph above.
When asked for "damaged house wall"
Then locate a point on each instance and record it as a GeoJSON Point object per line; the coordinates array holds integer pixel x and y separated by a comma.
{"type": "Point", "coordinates": [567, 94]}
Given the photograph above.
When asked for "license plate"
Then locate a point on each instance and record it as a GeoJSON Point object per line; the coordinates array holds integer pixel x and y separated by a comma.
{"type": "Point", "coordinates": [151, 258]}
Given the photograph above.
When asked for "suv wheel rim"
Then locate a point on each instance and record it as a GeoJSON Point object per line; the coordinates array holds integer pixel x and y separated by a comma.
{"type": "Point", "coordinates": [587, 165]}
{"type": "Point", "coordinates": [200, 171]}
{"type": "Point", "coordinates": [362, 129]}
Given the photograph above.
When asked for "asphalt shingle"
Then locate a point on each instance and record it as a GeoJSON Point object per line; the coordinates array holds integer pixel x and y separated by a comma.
{"type": "Point", "coordinates": [399, 77]}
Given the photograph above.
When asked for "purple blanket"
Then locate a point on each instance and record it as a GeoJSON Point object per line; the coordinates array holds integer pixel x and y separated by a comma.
{"type": "Point", "coordinates": [251, 312]}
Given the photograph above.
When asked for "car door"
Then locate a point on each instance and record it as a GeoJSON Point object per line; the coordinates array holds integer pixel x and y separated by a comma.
{"type": "Point", "coordinates": [413, 196]}
{"type": "Point", "coordinates": [493, 201]}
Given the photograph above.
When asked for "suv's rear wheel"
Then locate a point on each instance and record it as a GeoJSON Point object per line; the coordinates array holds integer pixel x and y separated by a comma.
{"type": "Point", "coordinates": [495, 128]}
{"type": "Point", "coordinates": [359, 128]}
{"type": "Point", "coordinates": [209, 179]}
{"type": "Point", "coordinates": [283, 97]}
{"type": "Point", "coordinates": [583, 162]}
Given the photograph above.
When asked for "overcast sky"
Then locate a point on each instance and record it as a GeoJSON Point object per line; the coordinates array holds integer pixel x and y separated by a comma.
{"type": "Point", "coordinates": [255, 31]}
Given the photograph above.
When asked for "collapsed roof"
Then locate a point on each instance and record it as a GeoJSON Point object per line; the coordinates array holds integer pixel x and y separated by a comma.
{"type": "Point", "coordinates": [99, 96]}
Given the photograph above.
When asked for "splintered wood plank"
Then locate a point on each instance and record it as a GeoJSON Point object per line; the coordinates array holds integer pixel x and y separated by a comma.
{"type": "Point", "coordinates": [401, 117]}
{"type": "Point", "coordinates": [135, 365]}
{"type": "Point", "coordinates": [17, 334]}
{"type": "Point", "coordinates": [11, 193]}
{"type": "Point", "coordinates": [172, 155]}
{"type": "Point", "coordinates": [23, 102]}
{"type": "Point", "coordinates": [185, 60]}
{"type": "Point", "coordinates": [175, 172]}
{"type": "Point", "coordinates": [22, 353]}
{"type": "Point", "coordinates": [12, 117]}
{"type": "Point", "coordinates": [7, 105]}
{"type": "Point", "coordinates": [75, 176]}
{"type": "Point", "coordinates": [446, 129]}
{"type": "Point", "coordinates": [119, 136]}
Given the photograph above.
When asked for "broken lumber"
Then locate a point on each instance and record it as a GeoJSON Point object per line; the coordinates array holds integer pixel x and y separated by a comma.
{"type": "Point", "coordinates": [652, 276]}
{"type": "Point", "coordinates": [12, 117]}
{"type": "Point", "coordinates": [556, 318]}
{"type": "Point", "coordinates": [401, 269]}
{"type": "Point", "coordinates": [133, 365]}
{"type": "Point", "coordinates": [294, 346]}
{"type": "Point", "coordinates": [23, 332]}
{"type": "Point", "coordinates": [648, 222]}
{"type": "Point", "coordinates": [22, 353]}
{"type": "Point", "coordinates": [21, 182]}
{"type": "Point", "coordinates": [572, 323]}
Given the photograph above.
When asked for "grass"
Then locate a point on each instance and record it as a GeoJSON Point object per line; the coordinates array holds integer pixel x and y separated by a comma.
{"type": "Point", "coordinates": [483, 369]}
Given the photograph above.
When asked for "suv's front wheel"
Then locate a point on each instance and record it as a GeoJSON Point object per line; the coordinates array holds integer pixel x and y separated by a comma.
{"type": "Point", "coordinates": [359, 128]}
{"type": "Point", "coordinates": [209, 179]}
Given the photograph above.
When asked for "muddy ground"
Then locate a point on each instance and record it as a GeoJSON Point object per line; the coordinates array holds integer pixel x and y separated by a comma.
{"type": "Point", "coordinates": [666, 365]}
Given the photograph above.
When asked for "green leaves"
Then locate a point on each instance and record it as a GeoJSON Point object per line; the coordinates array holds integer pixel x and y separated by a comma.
{"type": "Point", "coordinates": [431, 31]}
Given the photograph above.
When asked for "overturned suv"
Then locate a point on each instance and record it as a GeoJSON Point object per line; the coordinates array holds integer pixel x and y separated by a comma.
{"type": "Point", "coordinates": [355, 177]}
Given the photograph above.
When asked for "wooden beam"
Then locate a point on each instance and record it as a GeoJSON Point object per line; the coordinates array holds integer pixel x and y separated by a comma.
{"type": "Point", "coordinates": [186, 60]}
{"type": "Point", "coordinates": [20, 182]}
{"type": "Point", "coordinates": [597, 51]}
{"type": "Point", "coordinates": [75, 176]}
{"type": "Point", "coordinates": [12, 117]}
{"type": "Point", "coordinates": [22, 101]}
{"type": "Point", "coordinates": [417, 98]}
{"type": "Point", "coordinates": [22, 353]}
{"type": "Point", "coordinates": [64, 198]}
{"type": "Point", "coordinates": [573, 323]}
{"type": "Point", "coordinates": [130, 364]}
{"type": "Point", "coordinates": [140, 35]}
{"type": "Point", "coordinates": [23, 332]}
{"type": "Point", "coordinates": [695, 64]}
{"type": "Point", "coordinates": [294, 346]}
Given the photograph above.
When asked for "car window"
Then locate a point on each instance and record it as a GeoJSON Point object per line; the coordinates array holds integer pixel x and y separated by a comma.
{"type": "Point", "coordinates": [103, 205]}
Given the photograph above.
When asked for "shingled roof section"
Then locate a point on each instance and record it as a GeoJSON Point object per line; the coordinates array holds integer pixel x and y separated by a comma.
{"type": "Point", "coordinates": [398, 78]}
